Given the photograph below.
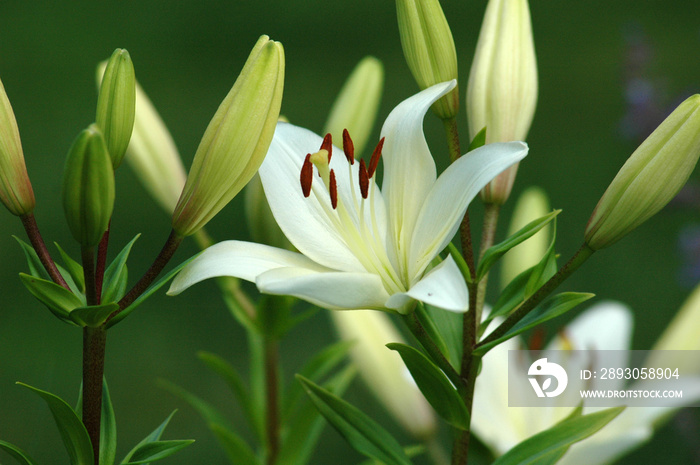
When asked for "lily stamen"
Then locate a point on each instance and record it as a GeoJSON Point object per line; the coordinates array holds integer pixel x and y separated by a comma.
{"type": "Point", "coordinates": [333, 190]}
{"type": "Point", "coordinates": [374, 161]}
{"type": "Point", "coordinates": [306, 175]}
{"type": "Point", "coordinates": [348, 147]}
{"type": "Point", "coordinates": [364, 180]}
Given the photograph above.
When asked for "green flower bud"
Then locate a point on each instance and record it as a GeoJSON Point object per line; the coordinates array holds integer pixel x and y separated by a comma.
{"type": "Point", "coordinates": [650, 178]}
{"type": "Point", "coordinates": [15, 189]}
{"type": "Point", "coordinates": [502, 89]}
{"type": "Point", "coordinates": [531, 205]}
{"type": "Point", "coordinates": [429, 49]}
{"type": "Point", "coordinates": [356, 106]}
{"type": "Point", "coordinates": [88, 187]}
{"type": "Point", "coordinates": [236, 140]}
{"type": "Point", "coordinates": [383, 370]}
{"type": "Point", "coordinates": [261, 223]}
{"type": "Point", "coordinates": [115, 104]}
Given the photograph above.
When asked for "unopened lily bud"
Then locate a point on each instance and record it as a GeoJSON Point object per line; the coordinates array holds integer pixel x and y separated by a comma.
{"type": "Point", "coordinates": [383, 370]}
{"type": "Point", "coordinates": [355, 108]}
{"type": "Point", "coordinates": [153, 156]}
{"type": "Point", "coordinates": [429, 49]}
{"type": "Point", "coordinates": [531, 205]}
{"type": "Point", "coordinates": [502, 89]}
{"type": "Point", "coordinates": [15, 189]}
{"type": "Point", "coordinates": [115, 104]}
{"type": "Point", "coordinates": [235, 142]}
{"type": "Point", "coordinates": [261, 223]}
{"type": "Point", "coordinates": [650, 178]}
{"type": "Point", "coordinates": [88, 187]}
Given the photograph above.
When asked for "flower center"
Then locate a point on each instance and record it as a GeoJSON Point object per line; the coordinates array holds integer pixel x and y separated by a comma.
{"type": "Point", "coordinates": [353, 214]}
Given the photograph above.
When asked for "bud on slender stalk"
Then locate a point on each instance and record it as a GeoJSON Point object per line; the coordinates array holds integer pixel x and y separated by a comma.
{"type": "Point", "coordinates": [88, 187]}
{"type": "Point", "coordinates": [502, 89]}
{"type": "Point", "coordinates": [531, 205]}
{"type": "Point", "coordinates": [236, 140]}
{"type": "Point", "coordinates": [16, 191]}
{"type": "Point", "coordinates": [650, 178]}
{"type": "Point", "coordinates": [383, 370]}
{"type": "Point", "coordinates": [429, 49]}
{"type": "Point", "coordinates": [355, 108]}
{"type": "Point", "coordinates": [115, 104]}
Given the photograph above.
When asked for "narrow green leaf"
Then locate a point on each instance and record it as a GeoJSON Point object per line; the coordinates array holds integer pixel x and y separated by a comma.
{"type": "Point", "coordinates": [449, 326]}
{"type": "Point", "coordinates": [74, 269]}
{"type": "Point", "coordinates": [479, 140]}
{"type": "Point", "coordinates": [36, 268]}
{"type": "Point", "coordinates": [114, 285]}
{"type": "Point", "coordinates": [237, 450]}
{"type": "Point", "coordinates": [75, 436]}
{"type": "Point", "coordinates": [234, 381]}
{"type": "Point", "coordinates": [361, 432]}
{"type": "Point", "coordinates": [550, 308]}
{"type": "Point", "coordinates": [148, 293]}
{"type": "Point", "coordinates": [430, 327]}
{"type": "Point", "coordinates": [461, 263]}
{"type": "Point", "coordinates": [93, 315]}
{"type": "Point", "coordinates": [495, 252]}
{"type": "Point", "coordinates": [545, 269]}
{"type": "Point", "coordinates": [16, 453]}
{"type": "Point", "coordinates": [315, 369]}
{"type": "Point", "coordinates": [551, 444]}
{"type": "Point", "coordinates": [154, 436]}
{"type": "Point", "coordinates": [108, 429]}
{"type": "Point", "coordinates": [157, 450]}
{"type": "Point", "coordinates": [303, 430]}
{"type": "Point", "coordinates": [58, 299]}
{"type": "Point", "coordinates": [433, 383]}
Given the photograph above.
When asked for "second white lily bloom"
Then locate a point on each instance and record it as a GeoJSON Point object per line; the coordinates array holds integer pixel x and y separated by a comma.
{"type": "Point", "coordinates": [364, 248]}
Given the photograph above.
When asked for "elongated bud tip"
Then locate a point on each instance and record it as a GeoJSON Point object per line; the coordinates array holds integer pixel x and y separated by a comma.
{"type": "Point", "coordinates": [116, 104]}
{"type": "Point", "coordinates": [16, 191]}
{"type": "Point", "coordinates": [235, 142]}
{"type": "Point", "coordinates": [650, 178]}
{"type": "Point", "coordinates": [88, 187]}
{"type": "Point", "coordinates": [429, 49]}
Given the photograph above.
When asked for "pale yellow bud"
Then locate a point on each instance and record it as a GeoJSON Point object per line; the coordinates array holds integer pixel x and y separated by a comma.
{"type": "Point", "coordinates": [429, 49]}
{"type": "Point", "coordinates": [383, 370]}
{"type": "Point", "coordinates": [650, 178]}
{"type": "Point", "coordinates": [235, 142]}
{"type": "Point", "coordinates": [502, 89]}
{"type": "Point", "coordinates": [531, 205]}
{"type": "Point", "coordinates": [15, 189]}
{"type": "Point", "coordinates": [356, 106]}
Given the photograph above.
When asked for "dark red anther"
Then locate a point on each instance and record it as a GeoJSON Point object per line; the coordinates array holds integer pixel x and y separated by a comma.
{"type": "Point", "coordinates": [333, 188]}
{"type": "Point", "coordinates": [348, 147]}
{"type": "Point", "coordinates": [537, 339]}
{"type": "Point", "coordinates": [374, 161]}
{"type": "Point", "coordinates": [327, 145]}
{"type": "Point", "coordinates": [307, 175]}
{"type": "Point", "coordinates": [364, 180]}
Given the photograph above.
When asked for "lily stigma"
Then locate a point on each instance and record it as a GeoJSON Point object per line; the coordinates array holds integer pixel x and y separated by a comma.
{"type": "Point", "coordinates": [361, 247]}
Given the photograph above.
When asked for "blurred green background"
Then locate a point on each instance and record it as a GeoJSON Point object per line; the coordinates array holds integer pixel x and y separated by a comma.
{"type": "Point", "coordinates": [187, 54]}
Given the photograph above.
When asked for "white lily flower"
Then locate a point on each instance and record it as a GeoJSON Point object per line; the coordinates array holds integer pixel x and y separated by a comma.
{"type": "Point", "coordinates": [361, 248]}
{"type": "Point", "coordinates": [606, 326]}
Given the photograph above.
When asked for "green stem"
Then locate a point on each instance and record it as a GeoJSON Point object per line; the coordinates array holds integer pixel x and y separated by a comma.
{"type": "Point", "coordinates": [32, 229]}
{"type": "Point", "coordinates": [272, 420]}
{"type": "Point", "coordinates": [166, 253]}
{"type": "Point", "coordinates": [433, 350]}
{"type": "Point", "coordinates": [101, 262]}
{"type": "Point", "coordinates": [488, 234]}
{"type": "Point", "coordinates": [567, 270]}
{"type": "Point", "coordinates": [88, 258]}
{"type": "Point", "coordinates": [94, 342]}
{"type": "Point", "coordinates": [452, 133]}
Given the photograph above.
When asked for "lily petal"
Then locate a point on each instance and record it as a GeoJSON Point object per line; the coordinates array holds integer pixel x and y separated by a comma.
{"type": "Point", "coordinates": [309, 223]}
{"type": "Point", "coordinates": [409, 168]}
{"type": "Point", "coordinates": [442, 287]}
{"type": "Point", "coordinates": [244, 260]}
{"type": "Point", "coordinates": [334, 290]}
{"type": "Point", "coordinates": [439, 219]}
